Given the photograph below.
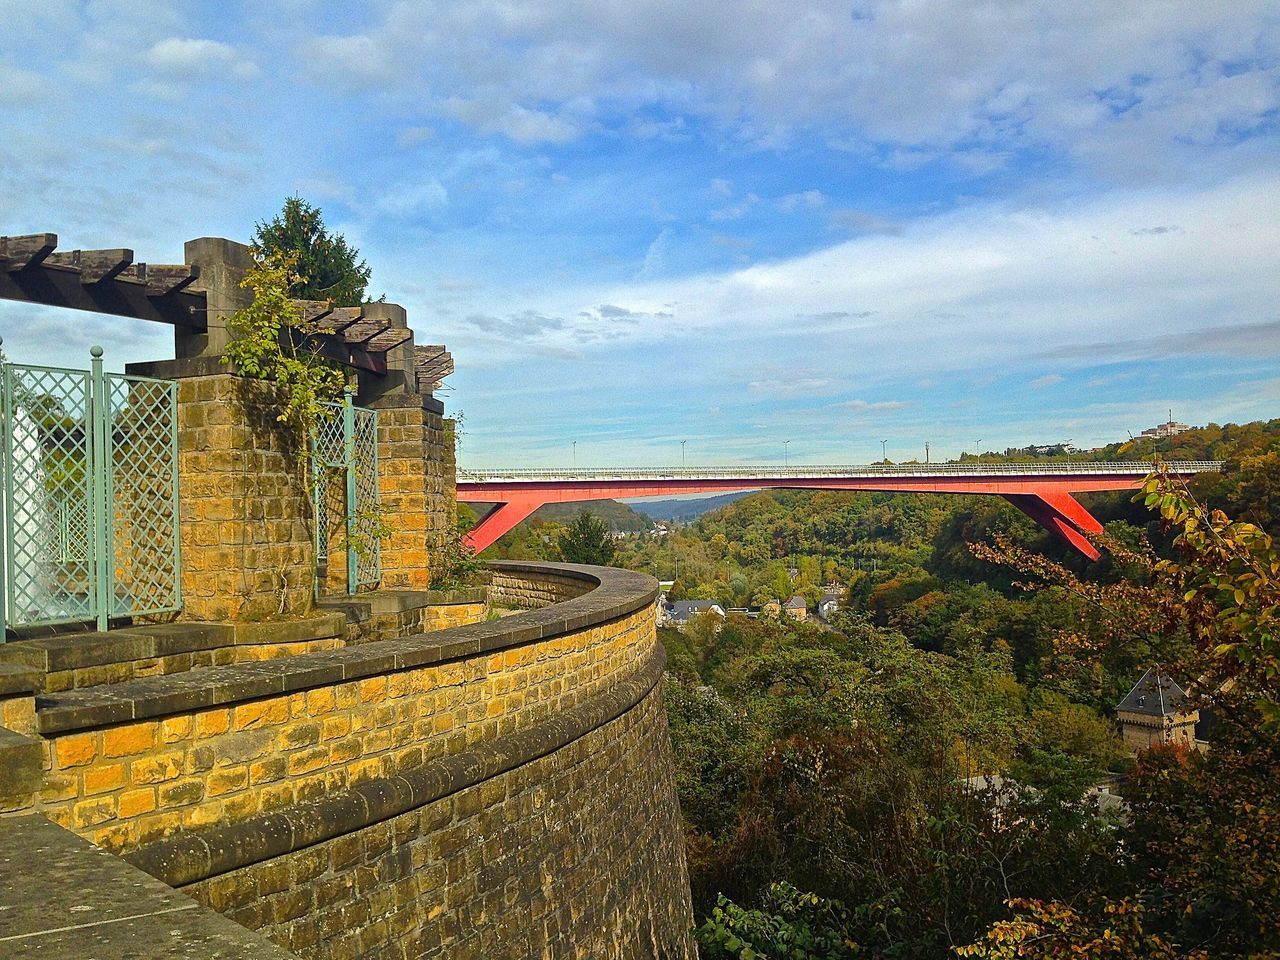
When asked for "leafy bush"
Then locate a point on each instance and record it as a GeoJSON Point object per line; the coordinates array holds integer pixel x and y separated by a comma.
{"type": "Point", "coordinates": [791, 925]}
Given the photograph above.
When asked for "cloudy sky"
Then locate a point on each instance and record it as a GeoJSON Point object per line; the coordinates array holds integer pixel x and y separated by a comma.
{"type": "Point", "coordinates": [730, 223]}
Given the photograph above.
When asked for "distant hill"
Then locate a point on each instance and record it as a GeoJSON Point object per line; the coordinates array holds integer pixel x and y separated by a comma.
{"type": "Point", "coordinates": [620, 517]}
{"type": "Point", "coordinates": [686, 511]}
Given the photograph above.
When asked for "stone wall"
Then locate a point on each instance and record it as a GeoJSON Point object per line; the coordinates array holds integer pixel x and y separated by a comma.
{"type": "Point", "coordinates": [576, 853]}
{"type": "Point", "coordinates": [74, 661]}
{"type": "Point", "coordinates": [387, 614]}
{"type": "Point", "coordinates": [487, 790]}
{"type": "Point", "coordinates": [533, 585]}
{"type": "Point", "coordinates": [247, 544]}
{"type": "Point", "coordinates": [416, 483]}
{"type": "Point", "coordinates": [138, 781]}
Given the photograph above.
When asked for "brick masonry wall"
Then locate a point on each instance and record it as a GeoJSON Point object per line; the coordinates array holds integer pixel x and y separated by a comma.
{"type": "Point", "coordinates": [245, 526]}
{"type": "Point", "coordinates": [416, 483]}
{"type": "Point", "coordinates": [446, 615]}
{"type": "Point", "coordinates": [511, 589]}
{"type": "Point", "coordinates": [137, 782]}
{"type": "Point", "coordinates": [502, 789]}
{"type": "Point", "coordinates": [406, 623]}
{"type": "Point", "coordinates": [575, 854]}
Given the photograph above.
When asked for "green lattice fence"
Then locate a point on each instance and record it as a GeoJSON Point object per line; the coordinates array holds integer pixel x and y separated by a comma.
{"type": "Point", "coordinates": [345, 468]}
{"type": "Point", "coordinates": [90, 496]}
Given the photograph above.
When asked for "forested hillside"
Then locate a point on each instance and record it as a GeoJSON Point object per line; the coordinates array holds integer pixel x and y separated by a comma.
{"type": "Point", "coordinates": [827, 770]}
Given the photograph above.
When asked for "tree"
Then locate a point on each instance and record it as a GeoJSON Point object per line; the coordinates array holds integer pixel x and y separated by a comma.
{"type": "Point", "coordinates": [1202, 838]}
{"type": "Point", "coordinates": [587, 540]}
{"type": "Point", "coordinates": [327, 267]}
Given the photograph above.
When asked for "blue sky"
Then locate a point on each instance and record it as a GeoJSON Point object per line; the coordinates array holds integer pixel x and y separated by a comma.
{"type": "Point", "coordinates": [727, 223]}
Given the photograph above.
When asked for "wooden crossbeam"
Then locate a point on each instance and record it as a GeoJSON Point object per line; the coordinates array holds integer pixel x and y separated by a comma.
{"type": "Point", "coordinates": [61, 287]}
{"type": "Point", "coordinates": [339, 318]}
{"type": "Point", "coordinates": [362, 359]}
{"type": "Point", "coordinates": [95, 266]}
{"type": "Point", "coordinates": [432, 363]}
{"type": "Point", "coordinates": [18, 253]}
{"type": "Point", "coordinates": [313, 310]}
{"type": "Point", "coordinates": [163, 279]}
{"type": "Point", "coordinates": [361, 332]}
{"type": "Point", "coordinates": [388, 339]}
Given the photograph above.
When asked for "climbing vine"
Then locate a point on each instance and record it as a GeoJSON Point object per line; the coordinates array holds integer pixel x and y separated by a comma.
{"type": "Point", "coordinates": [273, 342]}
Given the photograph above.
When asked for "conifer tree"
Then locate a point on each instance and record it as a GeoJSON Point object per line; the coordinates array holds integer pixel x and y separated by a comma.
{"type": "Point", "coordinates": [327, 266]}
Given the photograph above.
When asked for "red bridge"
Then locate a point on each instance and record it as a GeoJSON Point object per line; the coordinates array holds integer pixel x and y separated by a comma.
{"type": "Point", "coordinates": [1043, 491]}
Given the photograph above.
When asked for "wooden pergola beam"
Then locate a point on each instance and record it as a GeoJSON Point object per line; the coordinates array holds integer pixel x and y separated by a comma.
{"type": "Point", "coordinates": [431, 364]}
{"type": "Point", "coordinates": [339, 318]}
{"type": "Point", "coordinates": [18, 253]}
{"type": "Point", "coordinates": [388, 340]}
{"type": "Point", "coordinates": [361, 332]}
{"type": "Point", "coordinates": [60, 287]}
{"type": "Point", "coordinates": [94, 266]}
{"type": "Point", "coordinates": [163, 279]}
{"type": "Point", "coordinates": [312, 311]}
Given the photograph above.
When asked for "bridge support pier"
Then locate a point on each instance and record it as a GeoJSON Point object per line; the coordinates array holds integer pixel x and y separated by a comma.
{"type": "Point", "coordinates": [1062, 514]}
{"type": "Point", "coordinates": [499, 520]}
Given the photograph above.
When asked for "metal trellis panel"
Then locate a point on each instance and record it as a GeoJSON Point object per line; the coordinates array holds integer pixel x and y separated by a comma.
{"type": "Point", "coordinates": [345, 494]}
{"type": "Point", "coordinates": [90, 495]}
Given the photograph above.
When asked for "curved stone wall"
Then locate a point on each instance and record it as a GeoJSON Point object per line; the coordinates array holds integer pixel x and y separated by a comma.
{"type": "Point", "coordinates": [498, 789]}
{"type": "Point", "coordinates": [562, 842]}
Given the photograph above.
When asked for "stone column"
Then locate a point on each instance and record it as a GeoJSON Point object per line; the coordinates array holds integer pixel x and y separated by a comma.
{"type": "Point", "coordinates": [246, 539]}
{"type": "Point", "coordinates": [415, 465]}
{"type": "Point", "coordinates": [416, 482]}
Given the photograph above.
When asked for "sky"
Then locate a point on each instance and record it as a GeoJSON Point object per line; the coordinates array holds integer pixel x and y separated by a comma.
{"type": "Point", "coordinates": [768, 229]}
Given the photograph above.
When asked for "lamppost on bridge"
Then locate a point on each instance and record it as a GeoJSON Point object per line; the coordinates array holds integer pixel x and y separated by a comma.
{"type": "Point", "coordinates": [1066, 448]}
{"type": "Point", "coordinates": [682, 443]}
{"type": "Point", "coordinates": [575, 453]}
{"type": "Point", "coordinates": [786, 457]}
{"type": "Point", "coordinates": [926, 451]}
{"type": "Point", "coordinates": [884, 455]}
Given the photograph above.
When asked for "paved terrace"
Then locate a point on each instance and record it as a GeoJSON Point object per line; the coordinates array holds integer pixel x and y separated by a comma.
{"type": "Point", "coordinates": [1044, 491]}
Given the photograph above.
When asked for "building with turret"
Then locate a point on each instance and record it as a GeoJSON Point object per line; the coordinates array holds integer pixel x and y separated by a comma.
{"type": "Point", "coordinates": [1157, 711]}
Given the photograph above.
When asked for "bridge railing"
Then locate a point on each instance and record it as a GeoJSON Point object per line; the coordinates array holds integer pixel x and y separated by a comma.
{"type": "Point", "coordinates": [1023, 468]}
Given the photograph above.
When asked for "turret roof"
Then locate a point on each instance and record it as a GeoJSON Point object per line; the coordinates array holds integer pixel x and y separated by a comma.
{"type": "Point", "coordinates": [1156, 695]}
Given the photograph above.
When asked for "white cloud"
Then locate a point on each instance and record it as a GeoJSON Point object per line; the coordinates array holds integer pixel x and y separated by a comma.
{"type": "Point", "coordinates": [871, 406]}
{"type": "Point", "coordinates": [795, 386]}
{"type": "Point", "coordinates": [735, 211]}
{"type": "Point", "coordinates": [490, 116]}
{"type": "Point", "coordinates": [984, 287]}
{"type": "Point", "coordinates": [1088, 78]}
{"type": "Point", "coordinates": [412, 136]}
{"type": "Point", "coordinates": [1048, 380]}
{"type": "Point", "coordinates": [410, 199]}
{"type": "Point", "coordinates": [862, 221]}
{"type": "Point", "coordinates": [185, 58]}
{"type": "Point", "coordinates": [19, 87]}
{"type": "Point", "coordinates": [807, 200]}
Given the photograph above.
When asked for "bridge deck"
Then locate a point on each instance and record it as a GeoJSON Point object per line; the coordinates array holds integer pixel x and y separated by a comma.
{"type": "Point", "coordinates": [1044, 491]}
{"type": "Point", "coordinates": [867, 470]}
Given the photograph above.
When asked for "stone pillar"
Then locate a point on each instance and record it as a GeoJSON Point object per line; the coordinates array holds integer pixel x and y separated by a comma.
{"type": "Point", "coordinates": [416, 482]}
{"type": "Point", "coordinates": [222, 264]}
{"type": "Point", "coordinates": [246, 538]}
{"type": "Point", "coordinates": [247, 541]}
{"type": "Point", "coordinates": [247, 547]}
{"type": "Point", "coordinates": [415, 462]}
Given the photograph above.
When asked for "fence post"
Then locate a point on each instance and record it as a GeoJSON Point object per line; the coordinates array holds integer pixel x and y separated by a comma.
{"type": "Point", "coordinates": [349, 453]}
{"type": "Point", "coordinates": [99, 508]}
{"type": "Point", "coordinates": [6, 497]}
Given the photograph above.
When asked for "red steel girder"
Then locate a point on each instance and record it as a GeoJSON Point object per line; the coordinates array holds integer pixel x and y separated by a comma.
{"type": "Point", "coordinates": [1047, 500]}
